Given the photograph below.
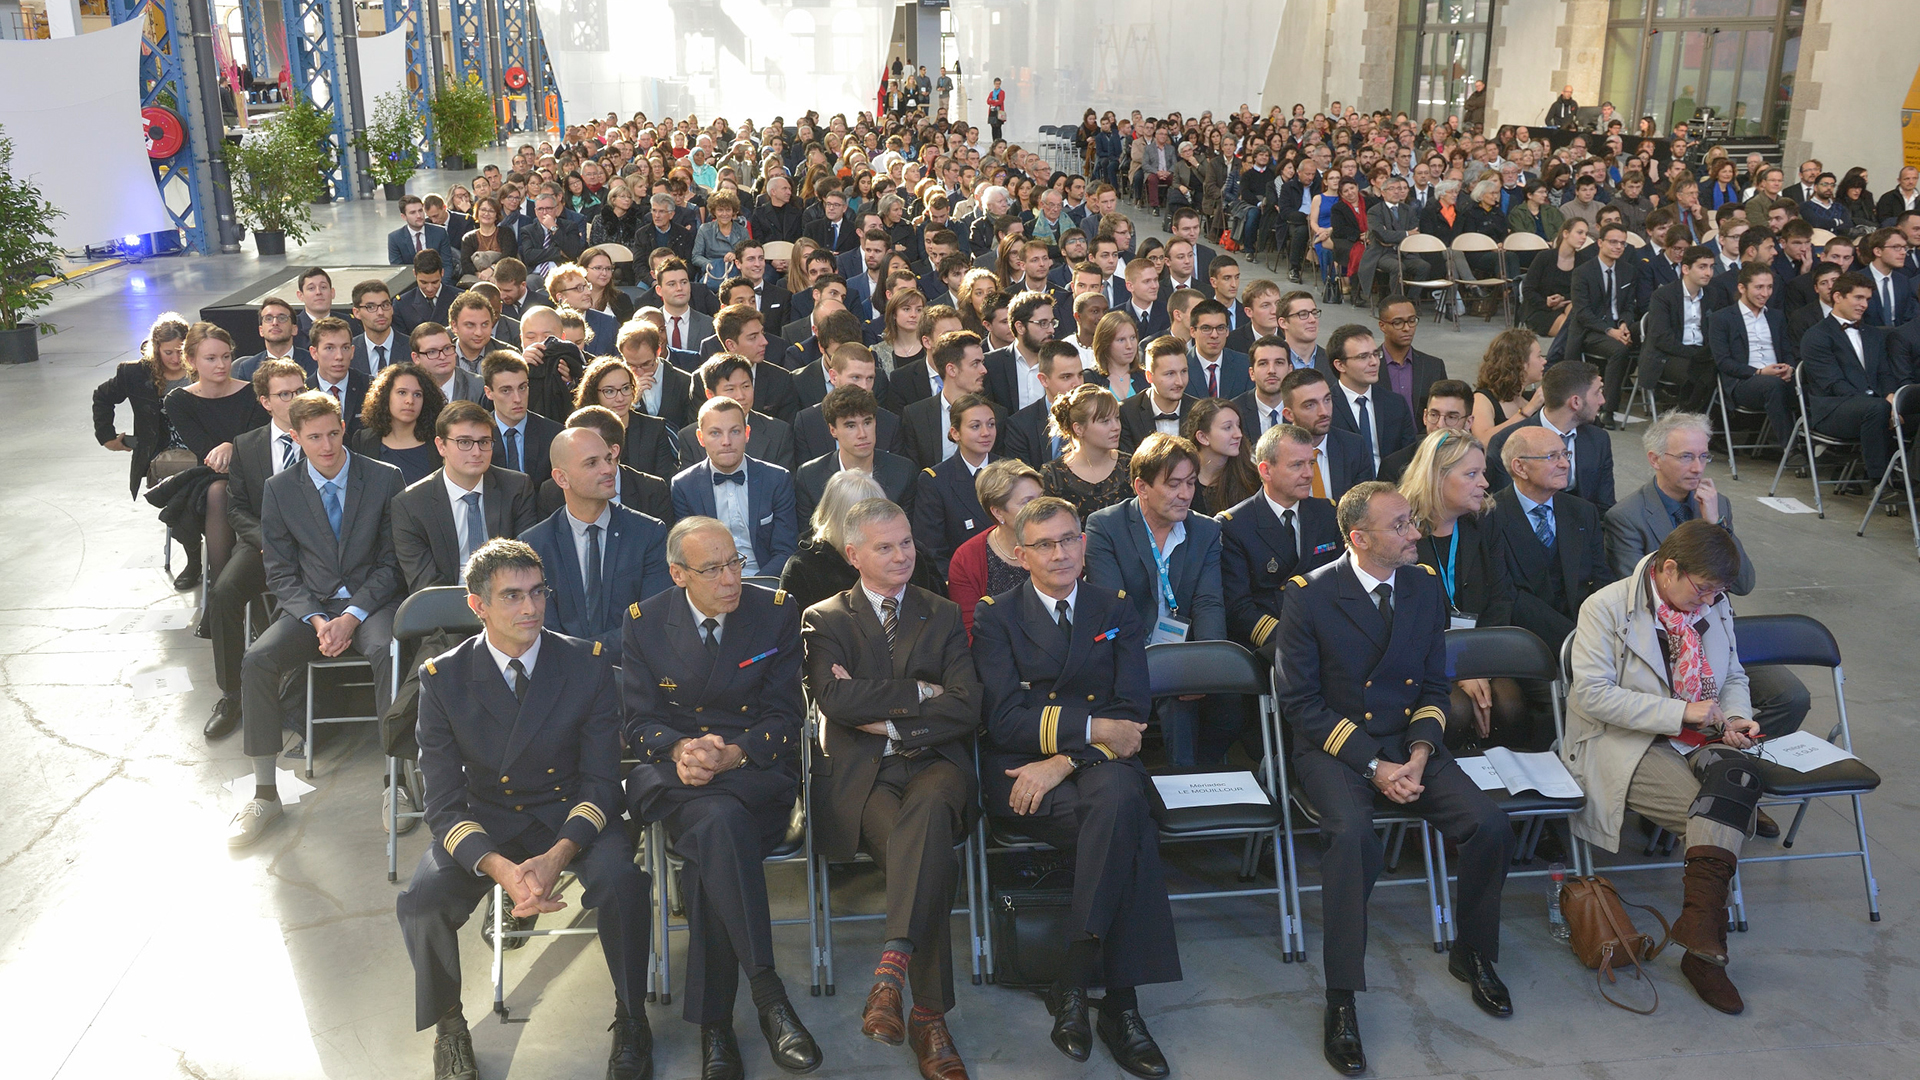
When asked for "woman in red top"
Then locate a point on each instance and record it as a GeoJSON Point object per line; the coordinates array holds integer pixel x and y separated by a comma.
{"type": "Point", "coordinates": [987, 564]}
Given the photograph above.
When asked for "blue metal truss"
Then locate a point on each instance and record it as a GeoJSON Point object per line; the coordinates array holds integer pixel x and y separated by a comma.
{"type": "Point", "coordinates": [166, 81]}
{"type": "Point", "coordinates": [411, 14]}
{"type": "Point", "coordinates": [318, 70]}
{"type": "Point", "coordinates": [516, 50]}
{"type": "Point", "coordinates": [253, 21]}
{"type": "Point", "coordinates": [473, 22]}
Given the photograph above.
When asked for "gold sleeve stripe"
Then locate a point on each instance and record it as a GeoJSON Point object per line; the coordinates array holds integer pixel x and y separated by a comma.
{"type": "Point", "coordinates": [1050, 730]}
{"type": "Point", "coordinates": [596, 648]}
{"type": "Point", "coordinates": [1264, 628]}
{"type": "Point", "coordinates": [1337, 738]}
{"type": "Point", "coordinates": [1431, 711]}
{"type": "Point", "coordinates": [591, 813]}
{"type": "Point", "coordinates": [459, 833]}
{"type": "Point", "coordinates": [1103, 748]}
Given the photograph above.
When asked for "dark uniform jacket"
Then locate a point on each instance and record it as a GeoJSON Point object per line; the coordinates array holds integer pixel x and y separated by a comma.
{"type": "Point", "coordinates": [947, 512]}
{"type": "Point", "coordinates": [1257, 556]}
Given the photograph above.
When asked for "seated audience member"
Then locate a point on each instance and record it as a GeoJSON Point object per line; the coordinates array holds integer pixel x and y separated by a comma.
{"type": "Point", "coordinates": [660, 390]}
{"type": "Point", "coordinates": [1213, 369]}
{"type": "Point", "coordinates": [988, 565]}
{"type": "Point", "coordinates": [1371, 619]}
{"type": "Point", "coordinates": [1280, 531]}
{"type": "Point", "coordinates": [849, 412]}
{"type": "Point", "coordinates": [889, 666]}
{"type": "Point", "coordinates": [436, 353]}
{"type": "Point", "coordinates": [1604, 291]}
{"type": "Point", "coordinates": [1452, 412]}
{"type": "Point", "coordinates": [1261, 406]}
{"type": "Point", "coordinates": [647, 444]}
{"type": "Point", "coordinates": [1654, 661]}
{"type": "Point", "coordinates": [1405, 370]}
{"type": "Point", "coordinates": [1166, 402]}
{"type": "Point", "coordinates": [738, 330]}
{"type": "Point", "coordinates": [1819, 303]}
{"type": "Point", "coordinates": [485, 834]}
{"type": "Point", "coordinates": [487, 235]}
{"type": "Point", "coordinates": [946, 509]}
{"type": "Point", "coordinates": [259, 455]}
{"type": "Point", "coordinates": [819, 568]}
{"type": "Point", "coordinates": [1513, 362]}
{"type": "Point", "coordinates": [1754, 354]}
{"type": "Point", "coordinates": [1555, 553]}
{"type": "Point", "coordinates": [638, 490]}
{"type": "Point", "coordinates": [814, 373]}
{"type": "Point", "coordinates": [1026, 436]}
{"type": "Point", "coordinates": [333, 374]}
{"type": "Point", "coordinates": [416, 235]}
{"type": "Point", "coordinates": [521, 437]}
{"type": "Point", "coordinates": [1676, 332]}
{"type": "Point", "coordinates": [1383, 421]}
{"type": "Point", "coordinates": [1166, 561]}
{"type": "Point", "coordinates": [711, 690]}
{"type": "Point", "coordinates": [145, 382]}
{"type": "Point", "coordinates": [908, 381]}
{"type": "Point", "coordinates": [328, 549]}
{"type": "Point", "coordinates": [1446, 486]}
{"type": "Point", "coordinates": [1547, 293]}
{"type": "Point", "coordinates": [600, 557]}
{"type": "Point", "coordinates": [1226, 474]}
{"type": "Point", "coordinates": [441, 520]}
{"type": "Point", "coordinates": [754, 499]}
{"type": "Point", "coordinates": [925, 424]}
{"type": "Point", "coordinates": [731, 376]}
{"type": "Point", "coordinates": [1060, 764]}
{"type": "Point", "coordinates": [549, 389]}
{"type": "Point", "coordinates": [378, 343]}
{"type": "Point", "coordinates": [315, 289]}
{"type": "Point", "coordinates": [1572, 400]}
{"type": "Point", "coordinates": [1091, 472]}
{"type": "Point", "coordinates": [473, 315]}
{"type": "Point", "coordinates": [398, 420]}
{"type": "Point", "coordinates": [429, 301]}
{"type": "Point", "coordinates": [1850, 377]}
{"type": "Point", "coordinates": [207, 414]}
{"type": "Point", "coordinates": [847, 364]}
{"type": "Point", "coordinates": [1340, 458]}
{"type": "Point", "coordinates": [1890, 300]}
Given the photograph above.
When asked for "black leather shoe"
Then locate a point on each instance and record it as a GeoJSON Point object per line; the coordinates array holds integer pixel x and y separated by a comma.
{"type": "Point", "coordinates": [188, 577]}
{"type": "Point", "coordinates": [1071, 1030]}
{"type": "Point", "coordinates": [632, 1054]}
{"type": "Point", "coordinates": [788, 1040]}
{"type": "Point", "coordinates": [1132, 1047]}
{"type": "Point", "coordinates": [720, 1053]}
{"type": "Point", "coordinates": [225, 717]}
{"type": "Point", "coordinates": [1293, 276]}
{"type": "Point", "coordinates": [1341, 1041]}
{"type": "Point", "coordinates": [453, 1057]}
{"type": "Point", "coordinates": [1488, 991]}
{"type": "Point", "coordinates": [509, 922]}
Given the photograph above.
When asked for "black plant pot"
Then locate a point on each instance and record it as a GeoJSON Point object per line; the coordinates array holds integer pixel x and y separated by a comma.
{"type": "Point", "coordinates": [20, 346]}
{"type": "Point", "coordinates": [453, 163]}
{"type": "Point", "coordinates": [270, 242]}
{"type": "Point", "coordinates": [393, 192]}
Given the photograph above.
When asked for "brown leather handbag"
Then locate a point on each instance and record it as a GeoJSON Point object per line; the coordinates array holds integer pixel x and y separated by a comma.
{"type": "Point", "coordinates": [1603, 935]}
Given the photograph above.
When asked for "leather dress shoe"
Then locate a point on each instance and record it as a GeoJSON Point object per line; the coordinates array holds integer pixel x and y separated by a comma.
{"type": "Point", "coordinates": [1489, 992]}
{"type": "Point", "coordinates": [720, 1053]}
{"type": "Point", "coordinates": [1072, 1033]}
{"type": "Point", "coordinates": [188, 577]}
{"type": "Point", "coordinates": [880, 1021]}
{"type": "Point", "coordinates": [226, 717]}
{"type": "Point", "coordinates": [933, 1049]}
{"type": "Point", "coordinates": [1125, 1033]}
{"type": "Point", "coordinates": [788, 1040]}
{"type": "Point", "coordinates": [1765, 827]}
{"type": "Point", "coordinates": [632, 1055]}
{"type": "Point", "coordinates": [509, 922]}
{"type": "Point", "coordinates": [453, 1057]}
{"type": "Point", "coordinates": [1341, 1040]}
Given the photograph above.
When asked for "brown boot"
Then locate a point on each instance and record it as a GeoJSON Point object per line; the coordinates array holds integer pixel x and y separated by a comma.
{"type": "Point", "coordinates": [1712, 984]}
{"type": "Point", "coordinates": [1701, 928]}
{"type": "Point", "coordinates": [880, 1020]}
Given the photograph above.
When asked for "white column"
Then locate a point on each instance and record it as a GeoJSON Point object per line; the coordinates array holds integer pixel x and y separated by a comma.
{"type": "Point", "coordinates": [63, 18]}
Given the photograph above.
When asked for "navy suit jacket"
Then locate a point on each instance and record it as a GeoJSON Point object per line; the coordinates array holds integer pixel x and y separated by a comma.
{"type": "Point", "coordinates": [1727, 340]}
{"type": "Point", "coordinates": [398, 352]}
{"type": "Point", "coordinates": [1236, 374]}
{"type": "Point", "coordinates": [400, 245]}
{"type": "Point", "coordinates": [634, 567]}
{"type": "Point", "coordinates": [1393, 423]}
{"type": "Point", "coordinates": [1835, 372]}
{"type": "Point", "coordinates": [1120, 556]}
{"type": "Point", "coordinates": [947, 512]}
{"type": "Point", "coordinates": [1156, 322]}
{"type": "Point", "coordinates": [1905, 306]}
{"type": "Point", "coordinates": [1591, 312]}
{"type": "Point", "coordinates": [536, 456]}
{"type": "Point", "coordinates": [1257, 556]}
{"type": "Point", "coordinates": [1592, 463]}
{"type": "Point", "coordinates": [774, 519]}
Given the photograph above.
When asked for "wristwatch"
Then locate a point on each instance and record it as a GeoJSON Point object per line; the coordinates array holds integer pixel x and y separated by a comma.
{"type": "Point", "coordinates": [1372, 767]}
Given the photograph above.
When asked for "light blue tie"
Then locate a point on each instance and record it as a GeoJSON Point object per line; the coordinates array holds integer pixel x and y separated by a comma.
{"type": "Point", "coordinates": [476, 526]}
{"type": "Point", "coordinates": [330, 498]}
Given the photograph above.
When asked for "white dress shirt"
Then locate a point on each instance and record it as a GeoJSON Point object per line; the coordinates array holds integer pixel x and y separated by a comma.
{"type": "Point", "coordinates": [379, 353]}
{"type": "Point", "coordinates": [1027, 377]}
{"type": "Point", "coordinates": [719, 632]}
{"type": "Point", "coordinates": [731, 505]}
{"type": "Point", "coordinates": [1759, 336]}
{"type": "Point", "coordinates": [1368, 582]}
{"type": "Point", "coordinates": [1567, 440]}
{"type": "Point", "coordinates": [281, 440]}
{"type": "Point", "coordinates": [1279, 514]}
{"type": "Point", "coordinates": [1354, 398]}
{"type": "Point", "coordinates": [527, 659]}
{"type": "Point", "coordinates": [1690, 316]}
{"type": "Point", "coordinates": [649, 401]}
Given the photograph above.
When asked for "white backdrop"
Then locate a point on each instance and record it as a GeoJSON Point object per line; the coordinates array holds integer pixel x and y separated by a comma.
{"type": "Point", "coordinates": [383, 67]}
{"type": "Point", "coordinates": [83, 144]}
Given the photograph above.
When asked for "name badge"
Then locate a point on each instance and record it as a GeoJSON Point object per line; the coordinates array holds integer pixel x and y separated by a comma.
{"type": "Point", "coordinates": [968, 524]}
{"type": "Point", "coordinates": [1168, 629]}
{"type": "Point", "coordinates": [1461, 620]}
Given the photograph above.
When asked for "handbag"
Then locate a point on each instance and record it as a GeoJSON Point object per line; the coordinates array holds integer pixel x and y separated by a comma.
{"type": "Point", "coordinates": [1031, 927]}
{"type": "Point", "coordinates": [168, 464]}
{"type": "Point", "coordinates": [1603, 934]}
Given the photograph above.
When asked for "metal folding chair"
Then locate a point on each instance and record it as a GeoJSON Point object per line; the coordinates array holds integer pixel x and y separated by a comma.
{"type": "Point", "coordinates": [1719, 407]}
{"type": "Point", "coordinates": [1475, 243]}
{"type": "Point", "coordinates": [1803, 433]}
{"type": "Point", "coordinates": [1446, 289]}
{"type": "Point", "coordinates": [1902, 399]}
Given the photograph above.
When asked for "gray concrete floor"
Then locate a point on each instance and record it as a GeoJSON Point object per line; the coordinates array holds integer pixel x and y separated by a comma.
{"type": "Point", "coordinates": [134, 945]}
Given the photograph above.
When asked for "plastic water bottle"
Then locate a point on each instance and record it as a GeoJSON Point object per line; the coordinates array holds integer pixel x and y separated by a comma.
{"type": "Point", "coordinates": [1556, 924]}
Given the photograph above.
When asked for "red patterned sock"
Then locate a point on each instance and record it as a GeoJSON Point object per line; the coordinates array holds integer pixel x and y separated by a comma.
{"type": "Point", "coordinates": [893, 969]}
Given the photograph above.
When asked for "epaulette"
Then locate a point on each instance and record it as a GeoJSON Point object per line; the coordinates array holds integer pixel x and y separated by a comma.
{"type": "Point", "coordinates": [1298, 580]}
{"type": "Point", "coordinates": [1123, 594]}
{"type": "Point", "coordinates": [779, 597]}
{"type": "Point", "coordinates": [596, 648]}
{"type": "Point", "coordinates": [431, 670]}
{"type": "Point", "coordinates": [1429, 569]}
{"type": "Point", "coordinates": [633, 610]}
{"type": "Point", "coordinates": [1224, 515]}
{"type": "Point", "coordinates": [929, 472]}
{"type": "Point", "coordinates": [988, 600]}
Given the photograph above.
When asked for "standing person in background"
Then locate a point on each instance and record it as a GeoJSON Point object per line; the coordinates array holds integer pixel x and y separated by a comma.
{"type": "Point", "coordinates": [996, 109]}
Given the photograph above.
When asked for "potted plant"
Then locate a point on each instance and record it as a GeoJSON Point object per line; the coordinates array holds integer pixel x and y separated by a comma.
{"type": "Point", "coordinates": [463, 121]}
{"type": "Point", "coordinates": [312, 127]}
{"type": "Point", "coordinates": [392, 142]}
{"type": "Point", "coordinates": [275, 171]}
{"type": "Point", "coordinates": [27, 253]}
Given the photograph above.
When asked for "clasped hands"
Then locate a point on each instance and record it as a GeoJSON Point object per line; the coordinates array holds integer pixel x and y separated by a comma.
{"type": "Point", "coordinates": [1032, 781]}
{"type": "Point", "coordinates": [1401, 783]}
{"type": "Point", "coordinates": [336, 633]}
{"type": "Point", "coordinates": [529, 885]}
{"type": "Point", "coordinates": [699, 760]}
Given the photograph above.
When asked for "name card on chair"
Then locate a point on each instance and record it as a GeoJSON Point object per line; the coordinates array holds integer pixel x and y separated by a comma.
{"type": "Point", "coordinates": [1210, 789]}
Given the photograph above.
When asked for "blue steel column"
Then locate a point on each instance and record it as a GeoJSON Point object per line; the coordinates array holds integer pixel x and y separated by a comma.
{"type": "Point", "coordinates": [472, 46]}
{"type": "Point", "coordinates": [317, 70]}
{"type": "Point", "coordinates": [410, 15]}
{"type": "Point", "coordinates": [253, 21]}
{"type": "Point", "coordinates": [185, 180]}
{"type": "Point", "coordinates": [515, 37]}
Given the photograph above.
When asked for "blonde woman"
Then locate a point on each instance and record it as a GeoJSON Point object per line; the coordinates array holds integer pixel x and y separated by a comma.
{"type": "Point", "coordinates": [1091, 472]}
{"type": "Point", "coordinates": [1116, 356]}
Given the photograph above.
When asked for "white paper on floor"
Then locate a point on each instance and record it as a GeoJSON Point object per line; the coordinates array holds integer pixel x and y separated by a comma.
{"type": "Point", "coordinates": [149, 621]}
{"type": "Point", "coordinates": [167, 680]}
{"type": "Point", "coordinates": [1785, 506]}
{"type": "Point", "coordinates": [147, 559]}
{"type": "Point", "coordinates": [290, 785]}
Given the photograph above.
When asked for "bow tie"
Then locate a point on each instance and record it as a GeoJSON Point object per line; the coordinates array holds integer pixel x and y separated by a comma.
{"type": "Point", "coordinates": [1166, 416]}
{"type": "Point", "coordinates": [1848, 325]}
{"type": "Point", "coordinates": [737, 477]}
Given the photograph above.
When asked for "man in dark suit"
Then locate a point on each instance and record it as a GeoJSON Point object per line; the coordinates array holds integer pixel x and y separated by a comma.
{"type": "Point", "coordinates": [1390, 221]}
{"type": "Point", "coordinates": [769, 440]}
{"type": "Point", "coordinates": [832, 230]}
{"type": "Point", "coordinates": [1555, 552]}
{"type": "Point", "coordinates": [276, 333]}
{"type": "Point", "coordinates": [662, 390]}
{"type": "Point", "coordinates": [258, 455]}
{"type": "Point", "coordinates": [1892, 302]}
{"type": "Point", "coordinates": [1382, 420]}
{"type": "Point", "coordinates": [600, 557]}
{"type": "Point", "coordinates": [333, 372]}
{"type": "Point", "coordinates": [642, 491]}
{"type": "Point", "coordinates": [770, 297]}
{"type": "Point", "coordinates": [1142, 301]}
{"type": "Point", "coordinates": [1011, 372]}
{"type": "Point", "coordinates": [1449, 408]}
{"type": "Point", "coordinates": [548, 240]}
{"type": "Point", "coordinates": [520, 700]}
{"type": "Point", "coordinates": [1064, 670]}
{"type": "Point", "coordinates": [1213, 370]}
{"type": "Point", "coordinates": [946, 505]}
{"type": "Point", "coordinates": [1166, 402]}
{"type": "Point", "coordinates": [890, 668]}
{"type": "Point", "coordinates": [710, 685]}
{"type": "Point", "coordinates": [926, 424]}
{"type": "Point", "coordinates": [328, 551]}
{"type": "Point", "coordinates": [1572, 400]}
{"type": "Point", "coordinates": [521, 438]}
{"type": "Point", "coordinates": [1603, 306]}
{"type": "Point", "coordinates": [742, 331]}
{"type": "Point", "coordinates": [837, 331]}
{"type": "Point", "coordinates": [754, 499]}
{"type": "Point", "coordinates": [1280, 532]}
{"type": "Point", "coordinates": [1405, 370]}
{"type": "Point", "coordinates": [1756, 371]}
{"type": "Point", "coordinates": [428, 300]}
{"type": "Point", "coordinates": [1850, 378]}
{"type": "Point", "coordinates": [416, 235]}
{"type": "Point", "coordinates": [1676, 332]}
{"type": "Point", "coordinates": [1341, 459]}
{"type": "Point", "coordinates": [1365, 636]}
{"type": "Point", "coordinates": [1026, 434]}
{"type": "Point", "coordinates": [849, 413]}
{"type": "Point", "coordinates": [378, 343]}
{"type": "Point", "coordinates": [440, 521]}
{"type": "Point", "coordinates": [850, 364]}
{"type": "Point", "coordinates": [1819, 301]}
{"type": "Point", "coordinates": [664, 230]}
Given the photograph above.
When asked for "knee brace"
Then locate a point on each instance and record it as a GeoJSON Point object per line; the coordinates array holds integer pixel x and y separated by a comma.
{"type": "Point", "coordinates": [1729, 788]}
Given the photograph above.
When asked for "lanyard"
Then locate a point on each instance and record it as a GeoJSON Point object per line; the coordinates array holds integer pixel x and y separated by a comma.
{"type": "Point", "coordinates": [1160, 563]}
{"type": "Point", "coordinates": [1446, 576]}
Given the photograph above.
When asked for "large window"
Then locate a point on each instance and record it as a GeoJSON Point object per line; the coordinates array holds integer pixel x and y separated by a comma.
{"type": "Point", "coordinates": [1441, 51]}
{"type": "Point", "coordinates": [1669, 59]}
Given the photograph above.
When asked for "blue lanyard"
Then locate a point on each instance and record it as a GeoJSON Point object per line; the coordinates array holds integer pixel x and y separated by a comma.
{"type": "Point", "coordinates": [1446, 576]}
{"type": "Point", "coordinates": [1160, 563]}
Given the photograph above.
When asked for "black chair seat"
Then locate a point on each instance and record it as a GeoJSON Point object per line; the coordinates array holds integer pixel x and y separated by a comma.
{"type": "Point", "coordinates": [1382, 807]}
{"type": "Point", "coordinates": [1536, 804]}
{"type": "Point", "coordinates": [1232, 816]}
{"type": "Point", "coordinates": [1005, 835]}
{"type": "Point", "coordinates": [1852, 777]}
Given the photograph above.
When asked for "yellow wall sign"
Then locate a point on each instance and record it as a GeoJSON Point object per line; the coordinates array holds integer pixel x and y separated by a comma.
{"type": "Point", "coordinates": [1910, 123]}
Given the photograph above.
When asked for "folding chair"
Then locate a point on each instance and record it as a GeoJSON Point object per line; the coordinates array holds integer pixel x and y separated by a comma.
{"type": "Point", "coordinates": [501, 935]}
{"type": "Point", "coordinates": [762, 580]}
{"type": "Point", "coordinates": [349, 685]}
{"type": "Point", "coordinates": [1821, 238]}
{"type": "Point", "coordinates": [1803, 433]}
{"type": "Point", "coordinates": [1473, 242]}
{"type": "Point", "coordinates": [1432, 247]}
{"type": "Point", "coordinates": [1719, 406]}
{"type": "Point", "coordinates": [1902, 399]}
{"type": "Point", "coordinates": [441, 608]}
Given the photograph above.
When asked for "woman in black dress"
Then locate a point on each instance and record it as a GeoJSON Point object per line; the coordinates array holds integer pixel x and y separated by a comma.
{"type": "Point", "coordinates": [144, 383]}
{"type": "Point", "coordinates": [1227, 475]}
{"type": "Point", "coordinates": [397, 421]}
{"type": "Point", "coordinates": [1547, 293]}
{"type": "Point", "coordinates": [819, 569]}
{"type": "Point", "coordinates": [207, 415]}
{"type": "Point", "coordinates": [1512, 363]}
{"type": "Point", "coordinates": [1091, 472]}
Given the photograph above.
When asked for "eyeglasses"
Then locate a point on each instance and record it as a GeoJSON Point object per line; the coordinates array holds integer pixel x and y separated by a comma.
{"type": "Point", "coordinates": [284, 395]}
{"type": "Point", "coordinates": [617, 391]}
{"type": "Point", "coordinates": [1310, 313]}
{"type": "Point", "coordinates": [580, 287]}
{"type": "Point", "coordinates": [1401, 526]}
{"type": "Point", "coordinates": [276, 319]}
{"type": "Point", "coordinates": [1046, 548]}
{"type": "Point", "coordinates": [466, 445]}
{"type": "Point", "coordinates": [376, 309]}
{"type": "Point", "coordinates": [1558, 457]}
{"type": "Point", "coordinates": [709, 573]}
{"type": "Point", "coordinates": [1401, 323]}
{"type": "Point", "coordinates": [1707, 595]}
{"type": "Point", "coordinates": [444, 350]}
{"type": "Point", "coordinates": [1690, 459]}
{"type": "Point", "coordinates": [516, 597]}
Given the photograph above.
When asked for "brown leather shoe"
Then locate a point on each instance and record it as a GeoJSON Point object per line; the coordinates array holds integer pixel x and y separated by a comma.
{"type": "Point", "coordinates": [1765, 827]}
{"type": "Point", "coordinates": [880, 1021]}
{"type": "Point", "coordinates": [1712, 984]}
{"type": "Point", "coordinates": [1701, 928]}
{"type": "Point", "coordinates": [933, 1047]}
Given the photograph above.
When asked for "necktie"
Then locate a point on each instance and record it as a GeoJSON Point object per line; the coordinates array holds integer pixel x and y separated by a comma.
{"type": "Point", "coordinates": [676, 333]}
{"type": "Point", "coordinates": [519, 679]}
{"type": "Point", "coordinates": [1886, 301]}
{"type": "Point", "coordinates": [738, 476]}
{"type": "Point", "coordinates": [335, 391]}
{"type": "Point", "coordinates": [512, 437]}
{"type": "Point", "coordinates": [1289, 535]}
{"type": "Point", "coordinates": [1365, 424]}
{"type": "Point", "coordinates": [1060, 616]}
{"type": "Point", "coordinates": [288, 454]}
{"type": "Point", "coordinates": [380, 358]}
{"type": "Point", "coordinates": [476, 526]}
{"type": "Point", "coordinates": [1273, 417]}
{"type": "Point", "coordinates": [890, 619]}
{"type": "Point", "coordinates": [836, 236]}
{"type": "Point", "coordinates": [419, 243]}
{"type": "Point", "coordinates": [1383, 596]}
{"type": "Point", "coordinates": [712, 628]}
{"type": "Point", "coordinates": [593, 562]}
{"type": "Point", "coordinates": [1613, 310]}
{"type": "Point", "coordinates": [1213, 380]}
{"type": "Point", "coordinates": [1319, 475]}
{"type": "Point", "coordinates": [330, 498]}
{"type": "Point", "coordinates": [1053, 445]}
{"type": "Point", "coordinates": [1543, 526]}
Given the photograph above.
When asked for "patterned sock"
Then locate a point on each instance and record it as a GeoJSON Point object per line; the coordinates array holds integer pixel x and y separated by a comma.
{"type": "Point", "coordinates": [924, 1015]}
{"type": "Point", "coordinates": [767, 989]}
{"type": "Point", "coordinates": [892, 969]}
